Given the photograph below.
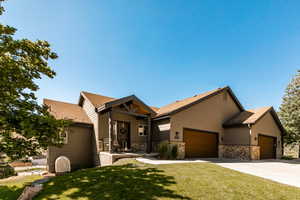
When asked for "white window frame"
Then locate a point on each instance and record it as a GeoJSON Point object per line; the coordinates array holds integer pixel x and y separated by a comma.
{"type": "Point", "coordinates": [144, 133]}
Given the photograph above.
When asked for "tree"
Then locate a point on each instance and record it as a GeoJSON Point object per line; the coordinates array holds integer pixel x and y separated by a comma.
{"type": "Point", "coordinates": [289, 111]}
{"type": "Point", "coordinates": [26, 127]}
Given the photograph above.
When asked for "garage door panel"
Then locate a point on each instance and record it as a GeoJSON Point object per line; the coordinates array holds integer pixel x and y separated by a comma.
{"type": "Point", "coordinates": [267, 146]}
{"type": "Point", "coordinates": [200, 144]}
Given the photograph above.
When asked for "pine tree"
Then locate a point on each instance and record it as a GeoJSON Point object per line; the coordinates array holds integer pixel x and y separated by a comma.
{"type": "Point", "coordinates": [289, 112]}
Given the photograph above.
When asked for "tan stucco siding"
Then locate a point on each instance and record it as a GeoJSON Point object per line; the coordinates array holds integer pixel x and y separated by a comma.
{"type": "Point", "coordinates": [237, 135]}
{"type": "Point", "coordinates": [78, 149]}
{"type": "Point", "coordinates": [266, 126]}
{"type": "Point", "coordinates": [89, 109]}
{"type": "Point", "coordinates": [207, 115]}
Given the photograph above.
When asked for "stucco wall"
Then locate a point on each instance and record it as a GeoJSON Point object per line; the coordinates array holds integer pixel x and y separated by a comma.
{"type": "Point", "coordinates": [89, 109]}
{"type": "Point", "coordinates": [237, 135]}
{"type": "Point", "coordinates": [207, 115]}
{"type": "Point", "coordinates": [78, 149]}
{"type": "Point", "coordinates": [267, 126]}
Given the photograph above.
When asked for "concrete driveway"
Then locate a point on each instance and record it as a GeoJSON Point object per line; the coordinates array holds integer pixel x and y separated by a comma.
{"type": "Point", "coordinates": [286, 172]}
{"type": "Point", "coordinates": [282, 171]}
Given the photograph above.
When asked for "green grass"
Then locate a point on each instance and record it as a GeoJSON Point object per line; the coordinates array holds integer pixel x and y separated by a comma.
{"type": "Point", "coordinates": [10, 189]}
{"type": "Point", "coordinates": [132, 180]}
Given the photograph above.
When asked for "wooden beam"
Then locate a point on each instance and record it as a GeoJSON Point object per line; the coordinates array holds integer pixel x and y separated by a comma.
{"type": "Point", "coordinates": [126, 107]}
{"type": "Point", "coordinates": [130, 113]}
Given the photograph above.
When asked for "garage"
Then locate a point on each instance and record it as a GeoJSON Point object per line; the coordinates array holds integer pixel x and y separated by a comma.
{"type": "Point", "coordinates": [267, 146]}
{"type": "Point", "coordinates": [200, 144]}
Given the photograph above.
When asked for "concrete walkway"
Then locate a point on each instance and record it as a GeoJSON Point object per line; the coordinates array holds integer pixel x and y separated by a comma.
{"type": "Point", "coordinates": [286, 172]}
{"type": "Point", "coordinates": [280, 171]}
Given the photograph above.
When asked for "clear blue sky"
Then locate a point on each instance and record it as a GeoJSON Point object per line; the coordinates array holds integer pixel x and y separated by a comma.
{"type": "Point", "coordinates": [161, 50]}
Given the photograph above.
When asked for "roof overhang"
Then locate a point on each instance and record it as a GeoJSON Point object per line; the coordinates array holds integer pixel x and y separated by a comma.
{"type": "Point", "coordinates": [271, 111]}
{"type": "Point", "coordinates": [124, 100]}
{"type": "Point", "coordinates": [227, 88]}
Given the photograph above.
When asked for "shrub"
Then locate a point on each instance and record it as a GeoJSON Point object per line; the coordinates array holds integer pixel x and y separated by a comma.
{"type": "Point", "coordinates": [6, 171]}
{"type": "Point", "coordinates": [167, 151]}
{"type": "Point", "coordinates": [174, 152]}
{"type": "Point", "coordinates": [163, 149]}
{"type": "Point", "coordinates": [287, 158]}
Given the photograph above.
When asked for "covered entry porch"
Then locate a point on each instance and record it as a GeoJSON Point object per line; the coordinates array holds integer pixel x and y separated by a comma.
{"type": "Point", "coordinates": [126, 126]}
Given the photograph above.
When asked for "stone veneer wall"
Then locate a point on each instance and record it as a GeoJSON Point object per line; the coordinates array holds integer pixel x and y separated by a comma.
{"type": "Point", "coordinates": [136, 147]}
{"type": "Point", "coordinates": [241, 152]}
{"type": "Point", "coordinates": [255, 152]}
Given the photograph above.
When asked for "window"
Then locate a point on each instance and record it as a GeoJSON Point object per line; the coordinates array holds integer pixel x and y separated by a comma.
{"type": "Point", "coordinates": [143, 130]}
{"type": "Point", "coordinates": [64, 136]}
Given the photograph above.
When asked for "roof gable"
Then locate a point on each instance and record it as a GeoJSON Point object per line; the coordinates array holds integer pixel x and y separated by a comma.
{"type": "Point", "coordinates": [63, 110]}
{"type": "Point", "coordinates": [180, 105]}
{"type": "Point", "coordinates": [252, 116]}
{"type": "Point", "coordinates": [123, 100]}
{"type": "Point", "coordinates": [96, 99]}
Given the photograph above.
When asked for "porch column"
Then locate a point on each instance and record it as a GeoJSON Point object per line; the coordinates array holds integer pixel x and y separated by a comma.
{"type": "Point", "coordinates": [149, 135]}
{"type": "Point", "coordinates": [110, 132]}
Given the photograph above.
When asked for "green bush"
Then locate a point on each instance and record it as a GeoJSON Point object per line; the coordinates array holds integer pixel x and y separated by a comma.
{"type": "Point", "coordinates": [6, 171]}
{"type": "Point", "coordinates": [287, 158]}
{"type": "Point", "coordinates": [167, 151]}
{"type": "Point", "coordinates": [163, 149]}
{"type": "Point", "coordinates": [174, 152]}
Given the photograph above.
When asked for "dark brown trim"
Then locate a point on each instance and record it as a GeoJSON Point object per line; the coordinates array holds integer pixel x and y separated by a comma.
{"type": "Point", "coordinates": [129, 113]}
{"type": "Point", "coordinates": [82, 124]}
{"type": "Point", "coordinates": [235, 126]}
{"type": "Point", "coordinates": [274, 137]}
{"type": "Point", "coordinates": [200, 130]}
{"type": "Point", "coordinates": [205, 131]}
{"type": "Point", "coordinates": [161, 118]}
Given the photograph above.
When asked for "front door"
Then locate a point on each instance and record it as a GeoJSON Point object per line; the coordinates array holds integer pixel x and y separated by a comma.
{"type": "Point", "coordinates": [123, 135]}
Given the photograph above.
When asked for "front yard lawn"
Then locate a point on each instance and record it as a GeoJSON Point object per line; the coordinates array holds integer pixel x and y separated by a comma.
{"type": "Point", "coordinates": [133, 180]}
{"type": "Point", "coordinates": [11, 188]}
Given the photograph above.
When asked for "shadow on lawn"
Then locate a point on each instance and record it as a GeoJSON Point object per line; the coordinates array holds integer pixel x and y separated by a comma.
{"type": "Point", "coordinates": [112, 182]}
{"type": "Point", "coordinates": [9, 193]}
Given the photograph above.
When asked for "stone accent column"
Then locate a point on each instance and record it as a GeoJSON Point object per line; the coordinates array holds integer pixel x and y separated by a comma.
{"type": "Point", "coordinates": [255, 152]}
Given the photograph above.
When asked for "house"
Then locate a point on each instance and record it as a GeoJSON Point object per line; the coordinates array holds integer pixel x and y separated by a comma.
{"type": "Point", "coordinates": [211, 124]}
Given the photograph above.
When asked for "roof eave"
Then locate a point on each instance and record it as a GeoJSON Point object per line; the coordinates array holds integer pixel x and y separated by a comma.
{"type": "Point", "coordinates": [207, 97]}
{"type": "Point", "coordinates": [110, 104]}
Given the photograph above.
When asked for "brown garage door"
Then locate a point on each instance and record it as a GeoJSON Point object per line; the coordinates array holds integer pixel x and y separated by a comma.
{"type": "Point", "coordinates": [200, 144]}
{"type": "Point", "coordinates": [267, 146]}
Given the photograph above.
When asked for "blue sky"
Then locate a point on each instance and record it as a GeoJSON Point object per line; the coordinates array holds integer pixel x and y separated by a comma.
{"type": "Point", "coordinates": [163, 51]}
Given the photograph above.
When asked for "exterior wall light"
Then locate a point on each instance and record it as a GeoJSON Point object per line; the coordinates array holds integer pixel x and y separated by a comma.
{"type": "Point", "coordinates": [176, 135]}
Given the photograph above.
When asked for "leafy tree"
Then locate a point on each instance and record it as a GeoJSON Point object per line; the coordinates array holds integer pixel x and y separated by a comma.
{"type": "Point", "coordinates": [26, 127]}
{"type": "Point", "coordinates": [289, 112]}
